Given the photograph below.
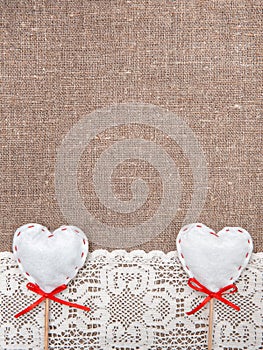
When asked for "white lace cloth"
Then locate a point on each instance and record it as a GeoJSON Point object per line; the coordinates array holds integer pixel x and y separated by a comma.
{"type": "Point", "coordinates": [138, 300]}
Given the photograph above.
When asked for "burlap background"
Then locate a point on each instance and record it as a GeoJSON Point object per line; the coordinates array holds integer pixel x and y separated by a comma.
{"type": "Point", "coordinates": [61, 60]}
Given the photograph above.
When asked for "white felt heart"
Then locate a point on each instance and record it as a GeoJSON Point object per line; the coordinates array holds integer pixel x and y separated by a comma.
{"type": "Point", "coordinates": [49, 259]}
{"type": "Point", "coordinates": [214, 259]}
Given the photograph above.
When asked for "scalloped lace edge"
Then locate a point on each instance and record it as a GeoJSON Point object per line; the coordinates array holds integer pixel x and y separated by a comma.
{"type": "Point", "coordinates": [134, 253]}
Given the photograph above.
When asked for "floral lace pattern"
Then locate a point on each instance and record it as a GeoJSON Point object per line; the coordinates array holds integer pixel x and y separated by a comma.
{"type": "Point", "coordinates": [138, 300]}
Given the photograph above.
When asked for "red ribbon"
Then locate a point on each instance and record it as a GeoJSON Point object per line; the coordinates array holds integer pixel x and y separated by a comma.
{"type": "Point", "coordinates": [230, 289]}
{"type": "Point", "coordinates": [35, 288]}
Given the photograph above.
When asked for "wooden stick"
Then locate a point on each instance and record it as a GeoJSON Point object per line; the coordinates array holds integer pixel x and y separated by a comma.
{"type": "Point", "coordinates": [46, 323]}
{"type": "Point", "coordinates": [210, 325]}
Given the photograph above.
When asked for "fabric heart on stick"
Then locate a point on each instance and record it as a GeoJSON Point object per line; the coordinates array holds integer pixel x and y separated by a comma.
{"type": "Point", "coordinates": [213, 261]}
{"type": "Point", "coordinates": [49, 261]}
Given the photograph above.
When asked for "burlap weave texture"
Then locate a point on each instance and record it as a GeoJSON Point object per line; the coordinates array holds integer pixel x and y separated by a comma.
{"type": "Point", "coordinates": [199, 60]}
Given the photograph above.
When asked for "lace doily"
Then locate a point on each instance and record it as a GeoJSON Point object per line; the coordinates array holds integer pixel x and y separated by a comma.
{"type": "Point", "coordinates": [138, 300]}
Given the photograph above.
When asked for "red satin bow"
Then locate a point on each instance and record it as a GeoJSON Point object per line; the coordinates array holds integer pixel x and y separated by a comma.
{"type": "Point", "coordinates": [230, 289]}
{"type": "Point", "coordinates": [35, 288]}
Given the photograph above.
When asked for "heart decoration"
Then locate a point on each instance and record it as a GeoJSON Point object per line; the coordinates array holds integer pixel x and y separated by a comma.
{"type": "Point", "coordinates": [215, 260]}
{"type": "Point", "coordinates": [47, 259]}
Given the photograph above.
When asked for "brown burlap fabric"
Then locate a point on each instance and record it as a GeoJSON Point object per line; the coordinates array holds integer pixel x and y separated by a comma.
{"type": "Point", "coordinates": [199, 60]}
